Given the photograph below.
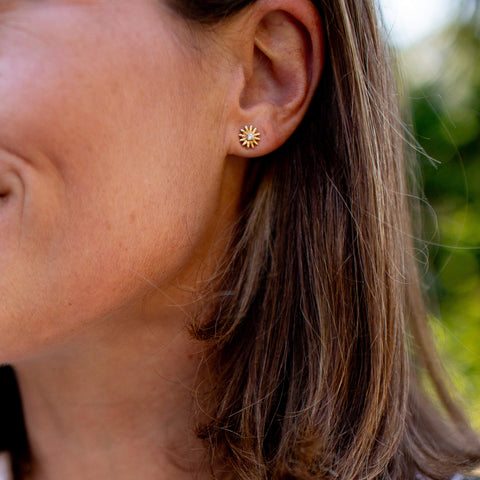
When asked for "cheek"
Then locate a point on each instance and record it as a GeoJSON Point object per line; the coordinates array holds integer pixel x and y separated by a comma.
{"type": "Point", "coordinates": [119, 193]}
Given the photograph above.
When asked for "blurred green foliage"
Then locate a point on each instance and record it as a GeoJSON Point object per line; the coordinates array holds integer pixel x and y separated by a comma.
{"type": "Point", "coordinates": [445, 102]}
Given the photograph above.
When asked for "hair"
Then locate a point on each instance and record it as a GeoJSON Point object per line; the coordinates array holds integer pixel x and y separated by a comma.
{"type": "Point", "coordinates": [318, 340]}
{"type": "Point", "coordinates": [318, 335]}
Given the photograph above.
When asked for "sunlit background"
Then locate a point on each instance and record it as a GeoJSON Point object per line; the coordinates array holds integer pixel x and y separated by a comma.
{"type": "Point", "coordinates": [408, 21]}
{"type": "Point", "coordinates": [438, 45]}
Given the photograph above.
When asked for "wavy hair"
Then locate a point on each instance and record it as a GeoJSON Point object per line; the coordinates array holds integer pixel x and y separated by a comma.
{"type": "Point", "coordinates": [318, 336]}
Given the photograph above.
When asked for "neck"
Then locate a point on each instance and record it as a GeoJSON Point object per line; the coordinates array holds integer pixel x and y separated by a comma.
{"type": "Point", "coordinates": [115, 403]}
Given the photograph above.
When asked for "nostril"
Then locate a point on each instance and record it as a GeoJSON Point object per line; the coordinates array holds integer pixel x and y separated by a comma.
{"type": "Point", "coordinates": [5, 185]}
{"type": "Point", "coordinates": [4, 194]}
{"type": "Point", "coordinates": [9, 183]}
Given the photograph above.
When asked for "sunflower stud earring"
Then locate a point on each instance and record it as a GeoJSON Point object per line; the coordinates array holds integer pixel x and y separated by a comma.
{"type": "Point", "coordinates": [249, 137]}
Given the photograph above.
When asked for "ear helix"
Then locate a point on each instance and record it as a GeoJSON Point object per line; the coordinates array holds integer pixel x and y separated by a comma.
{"type": "Point", "coordinates": [249, 137]}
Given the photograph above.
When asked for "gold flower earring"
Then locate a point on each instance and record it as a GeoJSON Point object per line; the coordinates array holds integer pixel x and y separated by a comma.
{"type": "Point", "coordinates": [249, 137]}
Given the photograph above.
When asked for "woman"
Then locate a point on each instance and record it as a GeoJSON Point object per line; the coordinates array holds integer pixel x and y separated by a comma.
{"type": "Point", "coordinates": [207, 266]}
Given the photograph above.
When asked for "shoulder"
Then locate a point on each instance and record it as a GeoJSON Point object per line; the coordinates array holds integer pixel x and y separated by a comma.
{"type": "Point", "coordinates": [5, 466]}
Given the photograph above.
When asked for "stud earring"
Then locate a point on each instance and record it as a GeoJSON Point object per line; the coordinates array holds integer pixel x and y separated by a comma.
{"type": "Point", "coordinates": [249, 137]}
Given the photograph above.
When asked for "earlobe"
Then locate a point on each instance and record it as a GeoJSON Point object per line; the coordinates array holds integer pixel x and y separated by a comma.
{"type": "Point", "coordinates": [281, 50]}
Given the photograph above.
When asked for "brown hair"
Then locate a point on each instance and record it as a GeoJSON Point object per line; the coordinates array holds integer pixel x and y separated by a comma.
{"type": "Point", "coordinates": [318, 336]}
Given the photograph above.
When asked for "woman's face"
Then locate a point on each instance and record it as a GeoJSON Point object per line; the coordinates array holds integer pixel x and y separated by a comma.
{"type": "Point", "coordinates": [111, 163]}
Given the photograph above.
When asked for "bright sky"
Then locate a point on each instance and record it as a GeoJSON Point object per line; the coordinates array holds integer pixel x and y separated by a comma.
{"type": "Point", "coordinates": [411, 20]}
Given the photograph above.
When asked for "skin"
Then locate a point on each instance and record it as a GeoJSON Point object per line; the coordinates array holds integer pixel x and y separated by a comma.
{"type": "Point", "coordinates": [120, 179]}
{"type": "Point", "coordinates": [98, 141]}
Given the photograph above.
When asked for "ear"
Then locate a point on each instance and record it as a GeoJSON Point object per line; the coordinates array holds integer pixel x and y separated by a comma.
{"type": "Point", "coordinates": [278, 61]}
